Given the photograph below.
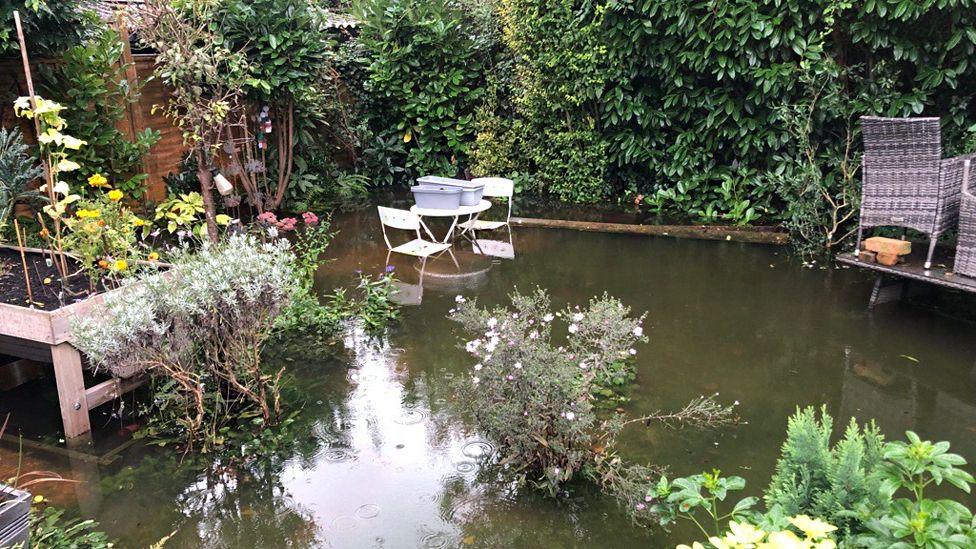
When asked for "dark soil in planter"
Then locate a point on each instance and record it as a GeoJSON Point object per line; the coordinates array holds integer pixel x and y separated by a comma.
{"type": "Point", "coordinates": [48, 295]}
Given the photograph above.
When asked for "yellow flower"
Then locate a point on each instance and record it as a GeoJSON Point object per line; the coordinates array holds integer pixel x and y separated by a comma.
{"type": "Point", "coordinates": [138, 221]}
{"type": "Point", "coordinates": [153, 256]}
{"type": "Point", "coordinates": [38, 499]}
{"type": "Point", "coordinates": [115, 195]}
{"type": "Point", "coordinates": [88, 214]}
{"type": "Point", "coordinates": [97, 180]}
{"type": "Point", "coordinates": [813, 528]}
{"type": "Point", "coordinates": [121, 265]}
{"type": "Point", "coordinates": [696, 545]}
{"type": "Point", "coordinates": [784, 540]}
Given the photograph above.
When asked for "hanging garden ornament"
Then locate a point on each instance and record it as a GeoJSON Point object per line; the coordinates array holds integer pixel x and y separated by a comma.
{"type": "Point", "coordinates": [264, 119]}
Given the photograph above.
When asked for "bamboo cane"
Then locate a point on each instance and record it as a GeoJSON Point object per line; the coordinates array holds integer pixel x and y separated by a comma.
{"type": "Point", "coordinates": [23, 261]}
{"type": "Point", "coordinates": [60, 261]}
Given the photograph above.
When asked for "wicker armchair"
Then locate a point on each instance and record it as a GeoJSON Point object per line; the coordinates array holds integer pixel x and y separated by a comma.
{"type": "Point", "coordinates": [966, 245]}
{"type": "Point", "coordinates": [906, 183]}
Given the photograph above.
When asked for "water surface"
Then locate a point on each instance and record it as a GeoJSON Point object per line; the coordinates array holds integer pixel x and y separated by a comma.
{"type": "Point", "coordinates": [383, 460]}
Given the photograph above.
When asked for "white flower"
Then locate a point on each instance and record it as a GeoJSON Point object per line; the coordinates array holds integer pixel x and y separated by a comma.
{"type": "Point", "coordinates": [577, 317]}
{"type": "Point", "coordinates": [573, 328]}
{"type": "Point", "coordinates": [632, 351]}
{"type": "Point", "coordinates": [475, 380]}
{"type": "Point", "coordinates": [477, 366]}
{"type": "Point", "coordinates": [548, 318]}
{"type": "Point", "coordinates": [534, 335]}
{"type": "Point", "coordinates": [472, 346]}
{"type": "Point", "coordinates": [517, 365]}
{"type": "Point", "coordinates": [583, 366]}
{"type": "Point", "coordinates": [570, 416]}
{"type": "Point", "coordinates": [638, 331]}
{"type": "Point", "coordinates": [492, 343]}
{"type": "Point", "coordinates": [492, 322]}
{"type": "Point", "coordinates": [459, 299]}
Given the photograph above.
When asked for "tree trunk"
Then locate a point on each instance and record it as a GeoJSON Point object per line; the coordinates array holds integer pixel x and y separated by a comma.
{"type": "Point", "coordinates": [206, 189]}
{"type": "Point", "coordinates": [286, 151]}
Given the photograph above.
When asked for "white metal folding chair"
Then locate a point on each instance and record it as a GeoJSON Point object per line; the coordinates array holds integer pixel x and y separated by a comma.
{"type": "Point", "coordinates": [494, 187]}
{"type": "Point", "coordinates": [407, 221]}
{"type": "Point", "coordinates": [410, 294]}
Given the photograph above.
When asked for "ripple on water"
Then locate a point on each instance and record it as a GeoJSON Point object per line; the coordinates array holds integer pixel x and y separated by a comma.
{"type": "Point", "coordinates": [465, 467]}
{"type": "Point", "coordinates": [478, 449]}
{"type": "Point", "coordinates": [434, 541]}
{"type": "Point", "coordinates": [368, 511]}
{"type": "Point", "coordinates": [338, 454]}
{"type": "Point", "coordinates": [411, 417]}
{"type": "Point", "coordinates": [344, 522]}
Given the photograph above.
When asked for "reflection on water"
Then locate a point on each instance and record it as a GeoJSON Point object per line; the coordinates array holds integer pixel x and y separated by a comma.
{"type": "Point", "coordinates": [382, 460]}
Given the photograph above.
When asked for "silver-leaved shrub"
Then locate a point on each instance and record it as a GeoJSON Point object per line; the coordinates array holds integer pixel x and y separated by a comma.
{"type": "Point", "coordinates": [197, 329]}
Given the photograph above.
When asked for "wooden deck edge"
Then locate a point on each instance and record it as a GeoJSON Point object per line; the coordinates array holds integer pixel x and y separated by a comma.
{"type": "Point", "coordinates": [750, 235]}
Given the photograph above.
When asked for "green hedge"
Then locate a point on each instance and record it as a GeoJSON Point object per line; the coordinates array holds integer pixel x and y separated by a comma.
{"type": "Point", "coordinates": [703, 107]}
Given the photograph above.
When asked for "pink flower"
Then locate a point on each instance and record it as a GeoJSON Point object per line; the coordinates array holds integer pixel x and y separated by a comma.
{"type": "Point", "coordinates": [268, 218]}
{"type": "Point", "coordinates": [287, 224]}
{"type": "Point", "coordinates": [641, 506]}
{"type": "Point", "coordinates": [310, 218]}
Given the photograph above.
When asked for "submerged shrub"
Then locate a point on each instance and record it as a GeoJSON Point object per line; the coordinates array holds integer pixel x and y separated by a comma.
{"type": "Point", "coordinates": [534, 398]}
{"type": "Point", "coordinates": [198, 330]}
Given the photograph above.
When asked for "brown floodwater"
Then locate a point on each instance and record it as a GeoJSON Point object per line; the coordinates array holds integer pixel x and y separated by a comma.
{"type": "Point", "coordinates": [382, 459]}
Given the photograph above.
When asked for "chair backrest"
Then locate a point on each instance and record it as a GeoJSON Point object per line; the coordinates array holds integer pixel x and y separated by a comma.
{"type": "Point", "coordinates": [899, 152]}
{"type": "Point", "coordinates": [496, 186]}
{"type": "Point", "coordinates": [398, 219]}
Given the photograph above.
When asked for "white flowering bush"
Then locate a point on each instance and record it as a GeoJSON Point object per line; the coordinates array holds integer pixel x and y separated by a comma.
{"type": "Point", "coordinates": [198, 330]}
{"type": "Point", "coordinates": [530, 388]}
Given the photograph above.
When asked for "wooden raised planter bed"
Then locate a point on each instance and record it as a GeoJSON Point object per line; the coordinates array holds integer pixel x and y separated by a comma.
{"type": "Point", "coordinates": [45, 336]}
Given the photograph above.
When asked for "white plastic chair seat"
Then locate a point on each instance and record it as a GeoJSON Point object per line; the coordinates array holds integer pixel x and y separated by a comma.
{"type": "Point", "coordinates": [481, 225]}
{"type": "Point", "coordinates": [494, 248]}
{"type": "Point", "coordinates": [420, 248]}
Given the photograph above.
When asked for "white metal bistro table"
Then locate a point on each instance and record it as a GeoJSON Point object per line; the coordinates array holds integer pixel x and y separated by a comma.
{"type": "Point", "coordinates": [471, 211]}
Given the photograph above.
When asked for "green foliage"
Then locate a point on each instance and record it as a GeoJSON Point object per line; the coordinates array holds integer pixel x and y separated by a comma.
{"type": "Point", "coordinates": [425, 73]}
{"type": "Point", "coordinates": [17, 171]}
{"type": "Point", "coordinates": [90, 82]}
{"type": "Point", "coordinates": [917, 521]}
{"type": "Point", "coordinates": [283, 42]}
{"type": "Point", "coordinates": [702, 493]}
{"type": "Point", "coordinates": [50, 26]}
{"type": "Point", "coordinates": [855, 483]}
{"type": "Point", "coordinates": [558, 56]}
{"type": "Point", "coordinates": [376, 309]}
{"type": "Point", "coordinates": [814, 478]}
{"type": "Point", "coordinates": [50, 530]}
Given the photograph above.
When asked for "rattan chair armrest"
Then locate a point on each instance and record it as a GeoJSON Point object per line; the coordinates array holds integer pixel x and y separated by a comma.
{"type": "Point", "coordinates": [960, 171]}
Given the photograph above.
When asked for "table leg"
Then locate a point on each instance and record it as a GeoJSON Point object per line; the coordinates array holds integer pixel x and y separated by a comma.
{"type": "Point", "coordinates": [472, 220]}
{"type": "Point", "coordinates": [427, 229]}
{"type": "Point", "coordinates": [450, 232]}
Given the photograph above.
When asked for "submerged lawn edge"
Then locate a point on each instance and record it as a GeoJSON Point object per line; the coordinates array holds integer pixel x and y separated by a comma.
{"type": "Point", "coordinates": [753, 235]}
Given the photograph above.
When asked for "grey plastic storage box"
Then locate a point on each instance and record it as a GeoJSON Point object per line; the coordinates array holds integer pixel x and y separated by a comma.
{"type": "Point", "coordinates": [471, 191]}
{"type": "Point", "coordinates": [14, 517]}
{"type": "Point", "coordinates": [436, 197]}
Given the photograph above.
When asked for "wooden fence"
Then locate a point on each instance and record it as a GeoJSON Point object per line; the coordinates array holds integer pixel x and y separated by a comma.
{"type": "Point", "coordinates": [164, 157]}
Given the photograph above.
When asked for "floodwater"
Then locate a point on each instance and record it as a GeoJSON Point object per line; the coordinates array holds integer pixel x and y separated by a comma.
{"type": "Point", "coordinates": [383, 460]}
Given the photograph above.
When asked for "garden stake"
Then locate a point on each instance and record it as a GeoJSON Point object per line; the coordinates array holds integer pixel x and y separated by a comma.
{"type": "Point", "coordinates": [23, 261]}
{"type": "Point", "coordinates": [48, 177]}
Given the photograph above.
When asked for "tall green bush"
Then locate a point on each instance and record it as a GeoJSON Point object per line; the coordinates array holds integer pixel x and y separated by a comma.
{"type": "Point", "coordinates": [50, 26]}
{"type": "Point", "coordinates": [558, 58]}
{"type": "Point", "coordinates": [425, 75]}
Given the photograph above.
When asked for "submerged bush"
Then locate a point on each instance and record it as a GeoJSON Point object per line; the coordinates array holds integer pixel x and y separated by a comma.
{"type": "Point", "coordinates": [534, 397]}
{"type": "Point", "coordinates": [198, 331]}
